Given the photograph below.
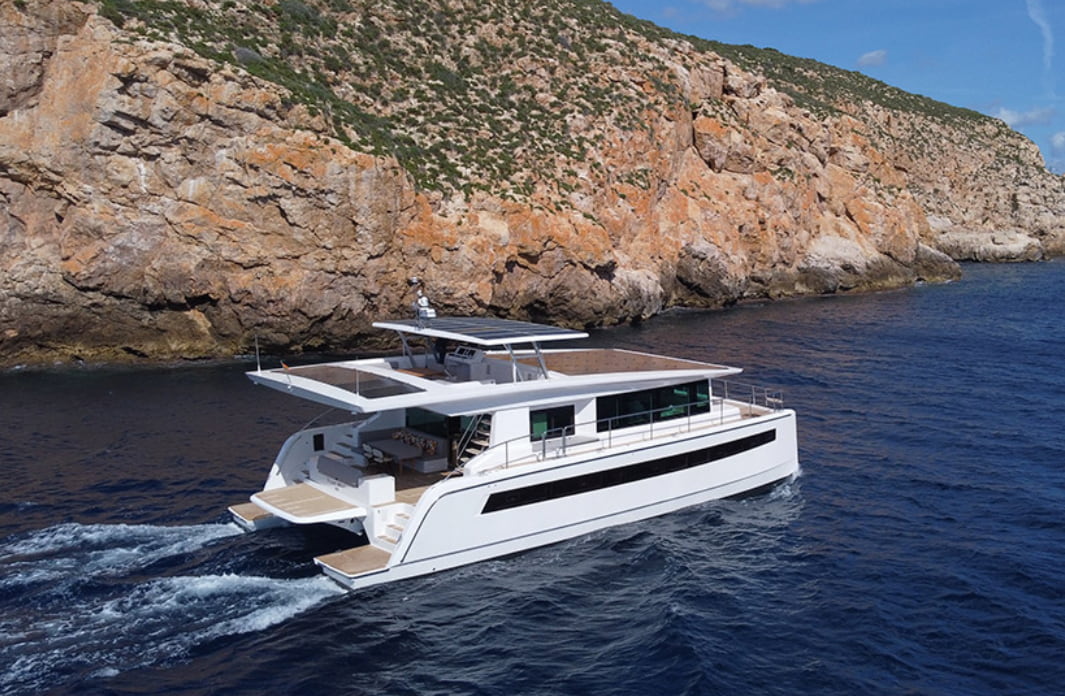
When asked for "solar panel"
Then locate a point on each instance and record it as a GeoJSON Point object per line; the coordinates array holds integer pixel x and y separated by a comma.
{"type": "Point", "coordinates": [485, 331]}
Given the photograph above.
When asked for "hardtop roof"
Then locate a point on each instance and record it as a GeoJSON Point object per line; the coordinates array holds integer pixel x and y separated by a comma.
{"type": "Point", "coordinates": [484, 331]}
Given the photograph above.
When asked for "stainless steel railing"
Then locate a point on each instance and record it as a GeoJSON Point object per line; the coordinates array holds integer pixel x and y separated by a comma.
{"type": "Point", "coordinates": [751, 395]}
{"type": "Point", "coordinates": [750, 399]}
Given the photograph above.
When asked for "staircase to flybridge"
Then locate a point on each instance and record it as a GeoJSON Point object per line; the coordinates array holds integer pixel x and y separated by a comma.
{"type": "Point", "coordinates": [476, 439]}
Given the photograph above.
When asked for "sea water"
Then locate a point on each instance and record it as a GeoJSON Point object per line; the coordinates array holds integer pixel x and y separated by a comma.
{"type": "Point", "coordinates": [921, 551]}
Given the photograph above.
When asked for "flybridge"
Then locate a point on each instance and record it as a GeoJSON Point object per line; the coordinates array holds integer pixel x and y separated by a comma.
{"type": "Point", "coordinates": [480, 331]}
{"type": "Point", "coordinates": [455, 357]}
{"type": "Point", "coordinates": [467, 363]}
{"type": "Point", "coordinates": [483, 332]}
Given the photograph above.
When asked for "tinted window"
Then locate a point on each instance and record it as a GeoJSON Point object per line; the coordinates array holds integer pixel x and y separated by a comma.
{"type": "Point", "coordinates": [636, 408]}
{"type": "Point", "coordinates": [573, 485]}
{"type": "Point", "coordinates": [550, 421]}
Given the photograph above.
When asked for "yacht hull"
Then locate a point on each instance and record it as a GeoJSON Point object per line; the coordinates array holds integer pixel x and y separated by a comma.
{"type": "Point", "coordinates": [467, 520]}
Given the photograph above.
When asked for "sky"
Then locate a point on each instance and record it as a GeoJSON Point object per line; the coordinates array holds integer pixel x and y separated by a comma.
{"type": "Point", "coordinates": [998, 57]}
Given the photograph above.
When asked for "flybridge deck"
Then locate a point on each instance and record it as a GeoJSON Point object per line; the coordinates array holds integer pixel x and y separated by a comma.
{"type": "Point", "coordinates": [466, 376]}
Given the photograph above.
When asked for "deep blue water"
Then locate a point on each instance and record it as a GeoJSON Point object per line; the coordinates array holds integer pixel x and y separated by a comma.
{"type": "Point", "coordinates": [921, 551]}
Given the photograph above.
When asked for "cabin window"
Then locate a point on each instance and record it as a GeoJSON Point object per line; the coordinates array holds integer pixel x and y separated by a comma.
{"type": "Point", "coordinates": [637, 408]}
{"type": "Point", "coordinates": [552, 421]}
{"type": "Point", "coordinates": [674, 402]}
{"type": "Point", "coordinates": [319, 442]}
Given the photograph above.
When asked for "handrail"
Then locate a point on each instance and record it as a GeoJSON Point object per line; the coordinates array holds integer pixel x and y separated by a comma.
{"type": "Point", "coordinates": [468, 435]}
{"type": "Point", "coordinates": [757, 396]}
{"type": "Point", "coordinates": [739, 393]}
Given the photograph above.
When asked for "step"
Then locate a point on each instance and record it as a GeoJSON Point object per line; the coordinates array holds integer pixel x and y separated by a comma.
{"type": "Point", "coordinates": [249, 512]}
{"type": "Point", "coordinates": [351, 562]}
{"type": "Point", "coordinates": [252, 518]}
{"type": "Point", "coordinates": [302, 503]}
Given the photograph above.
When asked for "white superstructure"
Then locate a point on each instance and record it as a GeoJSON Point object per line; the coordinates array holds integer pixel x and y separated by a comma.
{"type": "Point", "coordinates": [476, 442]}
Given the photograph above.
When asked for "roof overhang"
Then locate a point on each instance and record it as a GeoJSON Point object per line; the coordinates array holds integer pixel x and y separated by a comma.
{"type": "Point", "coordinates": [359, 394]}
{"type": "Point", "coordinates": [481, 331]}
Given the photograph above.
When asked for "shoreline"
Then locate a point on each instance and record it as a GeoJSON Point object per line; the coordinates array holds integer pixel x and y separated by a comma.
{"type": "Point", "coordinates": [81, 358]}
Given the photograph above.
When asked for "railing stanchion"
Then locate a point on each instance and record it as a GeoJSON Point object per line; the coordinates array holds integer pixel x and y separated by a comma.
{"type": "Point", "coordinates": [757, 398]}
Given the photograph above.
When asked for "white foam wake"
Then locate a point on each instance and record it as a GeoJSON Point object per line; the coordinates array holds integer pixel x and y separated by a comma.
{"type": "Point", "coordinates": [73, 604]}
{"type": "Point", "coordinates": [73, 551]}
{"type": "Point", "coordinates": [154, 622]}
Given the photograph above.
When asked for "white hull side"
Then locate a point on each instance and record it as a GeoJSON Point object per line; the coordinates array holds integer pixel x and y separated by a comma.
{"type": "Point", "coordinates": [449, 529]}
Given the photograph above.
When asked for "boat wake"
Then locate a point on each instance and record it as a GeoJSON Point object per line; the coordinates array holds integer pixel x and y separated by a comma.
{"type": "Point", "coordinates": [76, 602]}
{"type": "Point", "coordinates": [74, 553]}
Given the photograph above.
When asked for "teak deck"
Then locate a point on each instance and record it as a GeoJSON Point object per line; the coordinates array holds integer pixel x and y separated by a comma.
{"type": "Point", "coordinates": [249, 511]}
{"type": "Point", "coordinates": [361, 559]}
{"type": "Point", "coordinates": [302, 500]}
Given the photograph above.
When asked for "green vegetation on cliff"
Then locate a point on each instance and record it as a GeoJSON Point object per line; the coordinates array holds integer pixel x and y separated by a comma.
{"type": "Point", "coordinates": [468, 94]}
{"type": "Point", "coordinates": [463, 94]}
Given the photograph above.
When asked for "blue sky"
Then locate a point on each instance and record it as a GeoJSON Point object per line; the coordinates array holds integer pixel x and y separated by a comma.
{"type": "Point", "coordinates": [998, 57]}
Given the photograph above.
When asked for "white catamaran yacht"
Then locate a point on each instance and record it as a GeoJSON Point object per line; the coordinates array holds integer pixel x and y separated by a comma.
{"type": "Point", "coordinates": [475, 443]}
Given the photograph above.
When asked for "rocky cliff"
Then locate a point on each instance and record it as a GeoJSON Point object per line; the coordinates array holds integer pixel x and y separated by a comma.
{"type": "Point", "coordinates": [177, 178]}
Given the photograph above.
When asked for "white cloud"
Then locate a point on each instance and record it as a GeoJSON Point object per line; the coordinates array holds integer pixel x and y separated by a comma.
{"type": "Point", "coordinates": [1057, 141]}
{"type": "Point", "coordinates": [877, 57]}
{"type": "Point", "coordinates": [1014, 119]}
{"type": "Point", "coordinates": [1038, 15]}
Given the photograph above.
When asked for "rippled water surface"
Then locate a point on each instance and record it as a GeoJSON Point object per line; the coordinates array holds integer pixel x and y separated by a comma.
{"type": "Point", "coordinates": [921, 551]}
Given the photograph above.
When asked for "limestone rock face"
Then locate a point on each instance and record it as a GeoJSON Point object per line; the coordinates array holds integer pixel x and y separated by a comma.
{"type": "Point", "coordinates": [1009, 245]}
{"type": "Point", "coordinates": [981, 204]}
{"type": "Point", "coordinates": [156, 203]}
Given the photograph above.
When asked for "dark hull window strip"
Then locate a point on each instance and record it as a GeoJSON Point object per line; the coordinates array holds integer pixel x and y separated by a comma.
{"type": "Point", "coordinates": [542, 492]}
